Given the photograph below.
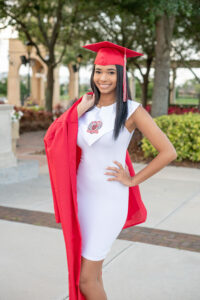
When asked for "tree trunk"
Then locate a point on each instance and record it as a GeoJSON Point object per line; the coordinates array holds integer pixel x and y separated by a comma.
{"type": "Point", "coordinates": [145, 90]}
{"type": "Point", "coordinates": [145, 83]}
{"type": "Point", "coordinates": [50, 88]}
{"type": "Point", "coordinates": [172, 90]}
{"type": "Point", "coordinates": [132, 85]}
{"type": "Point", "coordinates": [146, 80]}
{"type": "Point", "coordinates": [164, 30]}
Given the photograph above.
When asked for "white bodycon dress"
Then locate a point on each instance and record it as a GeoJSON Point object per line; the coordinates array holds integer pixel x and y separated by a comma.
{"type": "Point", "coordinates": [102, 204]}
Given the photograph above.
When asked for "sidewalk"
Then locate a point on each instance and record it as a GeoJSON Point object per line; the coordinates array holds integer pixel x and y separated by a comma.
{"type": "Point", "coordinates": [148, 265]}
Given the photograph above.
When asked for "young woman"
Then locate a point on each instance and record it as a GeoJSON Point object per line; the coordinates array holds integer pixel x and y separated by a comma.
{"type": "Point", "coordinates": [107, 120]}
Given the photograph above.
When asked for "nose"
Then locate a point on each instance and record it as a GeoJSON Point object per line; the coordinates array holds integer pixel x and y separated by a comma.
{"type": "Point", "coordinates": [103, 77]}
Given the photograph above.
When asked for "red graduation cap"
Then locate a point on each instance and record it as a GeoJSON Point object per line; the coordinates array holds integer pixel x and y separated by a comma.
{"type": "Point", "coordinates": [112, 54]}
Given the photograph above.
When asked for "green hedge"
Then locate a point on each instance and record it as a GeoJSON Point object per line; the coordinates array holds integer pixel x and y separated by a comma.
{"type": "Point", "coordinates": [184, 133]}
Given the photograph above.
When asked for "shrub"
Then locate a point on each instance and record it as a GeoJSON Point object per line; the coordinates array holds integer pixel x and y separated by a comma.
{"type": "Point", "coordinates": [36, 118]}
{"type": "Point", "coordinates": [33, 120]}
{"type": "Point", "coordinates": [182, 131]}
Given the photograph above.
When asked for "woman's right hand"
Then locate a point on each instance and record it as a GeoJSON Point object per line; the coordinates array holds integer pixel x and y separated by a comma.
{"type": "Point", "coordinates": [87, 101]}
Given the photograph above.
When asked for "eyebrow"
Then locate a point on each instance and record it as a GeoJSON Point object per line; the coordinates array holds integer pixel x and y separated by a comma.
{"type": "Point", "coordinates": [107, 69]}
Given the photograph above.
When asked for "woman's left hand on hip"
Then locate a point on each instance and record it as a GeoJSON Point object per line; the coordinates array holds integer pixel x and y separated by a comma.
{"type": "Point", "coordinates": [120, 174]}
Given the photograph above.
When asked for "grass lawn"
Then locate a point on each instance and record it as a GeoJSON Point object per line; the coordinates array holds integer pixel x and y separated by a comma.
{"type": "Point", "coordinates": [189, 101]}
{"type": "Point", "coordinates": [179, 101]}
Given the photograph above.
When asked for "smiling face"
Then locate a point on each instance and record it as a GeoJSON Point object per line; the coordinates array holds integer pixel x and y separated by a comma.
{"type": "Point", "coordinates": [105, 78]}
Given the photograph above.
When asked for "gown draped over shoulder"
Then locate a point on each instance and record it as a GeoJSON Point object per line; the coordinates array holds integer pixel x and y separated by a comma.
{"type": "Point", "coordinates": [102, 204]}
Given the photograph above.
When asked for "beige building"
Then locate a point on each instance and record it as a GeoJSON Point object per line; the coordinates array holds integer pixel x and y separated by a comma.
{"type": "Point", "coordinates": [37, 80]}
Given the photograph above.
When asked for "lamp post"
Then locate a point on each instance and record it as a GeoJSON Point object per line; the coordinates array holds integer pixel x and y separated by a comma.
{"type": "Point", "coordinates": [24, 61]}
{"type": "Point", "coordinates": [76, 66]}
{"type": "Point", "coordinates": [29, 46]}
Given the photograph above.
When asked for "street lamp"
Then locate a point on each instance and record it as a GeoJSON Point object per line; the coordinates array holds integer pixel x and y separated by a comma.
{"type": "Point", "coordinates": [29, 46]}
{"type": "Point", "coordinates": [24, 61]}
{"type": "Point", "coordinates": [76, 66]}
{"type": "Point", "coordinates": [79, 58]}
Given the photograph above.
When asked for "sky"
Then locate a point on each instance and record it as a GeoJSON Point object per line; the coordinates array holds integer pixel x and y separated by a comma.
{"type": "Point", "coordinates": [85, 72]}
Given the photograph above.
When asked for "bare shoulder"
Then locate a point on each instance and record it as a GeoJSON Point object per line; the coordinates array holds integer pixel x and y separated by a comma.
{"type": "Point", "coordinates": [142, 120]}
{"type": "Point", "coordinates": [133, 107]}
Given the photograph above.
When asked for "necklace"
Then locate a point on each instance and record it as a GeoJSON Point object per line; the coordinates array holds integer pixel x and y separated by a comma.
{"type": "Point", "coordinates": [105, 105]}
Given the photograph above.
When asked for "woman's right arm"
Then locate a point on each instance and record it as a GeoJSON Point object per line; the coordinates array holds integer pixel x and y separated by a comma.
{"type": "Point", "coordinates": [86, 102]}
{"type": "Point", "coordinates": [81, 109]}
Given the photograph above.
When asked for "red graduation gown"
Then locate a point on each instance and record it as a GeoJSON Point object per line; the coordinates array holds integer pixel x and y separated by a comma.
{"type": "Point", "coordinates": [63, 157]}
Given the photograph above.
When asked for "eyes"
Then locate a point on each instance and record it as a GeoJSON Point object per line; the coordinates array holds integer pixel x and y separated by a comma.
{"type": "Point", "coordinates": [111, 72]}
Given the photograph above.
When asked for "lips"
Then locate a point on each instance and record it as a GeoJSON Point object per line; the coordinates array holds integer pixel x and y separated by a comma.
{"type": "Point", "coordinates": [104, 86]}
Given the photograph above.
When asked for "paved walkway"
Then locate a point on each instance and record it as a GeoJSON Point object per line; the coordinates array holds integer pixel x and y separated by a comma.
{"type": "Point", "coordinates": [158, 259]}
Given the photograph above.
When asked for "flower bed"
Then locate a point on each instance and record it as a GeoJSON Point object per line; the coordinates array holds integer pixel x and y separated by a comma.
{"type": "Point", "coordinates": [177, 109]}
{"type": "Point", "coordinates": [36, 118]}
{"type": "Point", "coordinates": [33, 120]}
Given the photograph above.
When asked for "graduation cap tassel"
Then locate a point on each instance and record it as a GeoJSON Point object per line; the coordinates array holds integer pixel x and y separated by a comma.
{"type": "Point", "coordinates": [124, 79]}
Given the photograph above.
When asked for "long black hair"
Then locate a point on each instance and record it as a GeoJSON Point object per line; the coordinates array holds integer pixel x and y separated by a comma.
{"type": "Point", "coordinates": [121, 106]}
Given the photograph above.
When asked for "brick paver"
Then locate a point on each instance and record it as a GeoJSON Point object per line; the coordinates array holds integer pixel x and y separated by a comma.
{"type": "Point", "coordinates": [31, 146]}
{"type": "Point", "coordinates": [141, 234]}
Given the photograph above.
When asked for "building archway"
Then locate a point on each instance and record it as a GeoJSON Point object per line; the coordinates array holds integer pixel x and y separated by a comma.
{"type": "Point", "coordinates": [38, 78]}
